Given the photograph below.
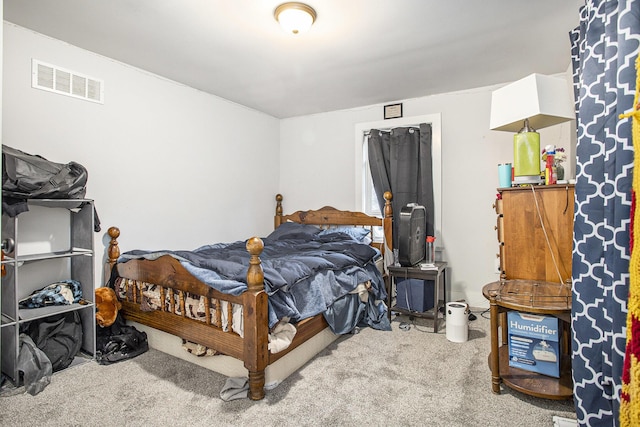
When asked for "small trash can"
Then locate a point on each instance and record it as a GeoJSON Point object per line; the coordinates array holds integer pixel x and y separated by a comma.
{"type": "Point", "coordinates": [457, 322]}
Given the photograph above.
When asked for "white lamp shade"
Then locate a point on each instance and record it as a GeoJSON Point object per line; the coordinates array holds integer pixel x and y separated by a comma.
{"type": "Point", "coordinates": [544, 100]}
{"type": "Point", "coordinates": [295, 18]}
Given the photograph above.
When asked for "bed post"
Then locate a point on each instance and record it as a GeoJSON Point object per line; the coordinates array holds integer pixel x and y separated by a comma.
{"type": "Point", "coordinates": [387, 220]}
{"type": "Point", "coordinates": [255, 275]}
{"type": "Point", "coordinates": [256, 322]}
{"type": "Point", "coordinates": [113, 253]}
{"type": "Point", "coordinates": [278, 218]}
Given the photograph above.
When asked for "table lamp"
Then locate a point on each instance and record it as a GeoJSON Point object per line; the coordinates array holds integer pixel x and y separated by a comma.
{"type": "Point", "coordinates": [534, 102]}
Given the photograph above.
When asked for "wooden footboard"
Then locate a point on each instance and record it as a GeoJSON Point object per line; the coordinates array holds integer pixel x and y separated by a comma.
{"type": "Point", "coordinates": [214, 326]}
{"type": "Point", "coordinates": [177, 285]}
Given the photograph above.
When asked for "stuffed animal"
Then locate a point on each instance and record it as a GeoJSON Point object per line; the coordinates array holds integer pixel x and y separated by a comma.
{"type": "Point", "coordinates": [107, 306]}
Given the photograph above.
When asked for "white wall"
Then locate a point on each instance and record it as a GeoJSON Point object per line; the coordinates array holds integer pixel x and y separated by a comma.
{"type": "Point", "coordinates": [317, 155]}
{"type": "Point", "coordinates": [176, 168]}
{"type": "Point", "coordinates": [172, 167]}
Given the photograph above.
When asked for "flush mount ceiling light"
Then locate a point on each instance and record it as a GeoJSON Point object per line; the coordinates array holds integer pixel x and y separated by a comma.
{"type": "Point", "coordinates": [294, 17]}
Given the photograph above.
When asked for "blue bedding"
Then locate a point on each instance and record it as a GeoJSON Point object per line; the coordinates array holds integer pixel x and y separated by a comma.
{"type": "Point", "coordinates": [306, 271]}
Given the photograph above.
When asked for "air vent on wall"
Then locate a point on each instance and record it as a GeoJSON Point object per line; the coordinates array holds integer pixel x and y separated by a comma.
{"type": "Point", "coordinates": [55, 79]}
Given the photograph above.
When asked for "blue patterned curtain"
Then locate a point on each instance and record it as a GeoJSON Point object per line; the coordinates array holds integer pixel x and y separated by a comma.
{"type": "Point", "coordinates": [604, 48]}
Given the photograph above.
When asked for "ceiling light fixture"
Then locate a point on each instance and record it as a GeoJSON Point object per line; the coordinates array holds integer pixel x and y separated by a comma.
{"type": "Point", "coordinates": [295, 18]}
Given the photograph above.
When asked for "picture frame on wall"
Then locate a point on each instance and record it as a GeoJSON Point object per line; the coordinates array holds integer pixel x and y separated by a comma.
{"type": "Point", "coordinates": [392, 111]}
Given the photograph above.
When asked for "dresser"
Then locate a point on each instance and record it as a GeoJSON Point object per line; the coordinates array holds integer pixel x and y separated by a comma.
{"type": "Point", "coordinates": [535, 237]}
{"type": "Point", "coordinates": [535, 232]}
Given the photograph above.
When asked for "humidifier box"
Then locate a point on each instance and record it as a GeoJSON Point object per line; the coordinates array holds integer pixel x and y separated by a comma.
{"type": "Point", "coordinates": [534, 343]}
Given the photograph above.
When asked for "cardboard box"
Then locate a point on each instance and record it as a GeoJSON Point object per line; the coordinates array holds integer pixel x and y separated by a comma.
{"type": "Point", "coordinates": [534, 343]}
{"type": "Point", "coordinates": [414, 294]}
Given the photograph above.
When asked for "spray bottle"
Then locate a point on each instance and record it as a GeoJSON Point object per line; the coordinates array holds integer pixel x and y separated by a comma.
{"type": "Point", "coordinates": [549, 171]}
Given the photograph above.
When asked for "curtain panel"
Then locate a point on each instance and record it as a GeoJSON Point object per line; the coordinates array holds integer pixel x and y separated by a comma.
{"type": "Point", "coordinates": [400, 161]}
{"type": "Point", "coordinates": [603, 51]}
{"type": "Point", "coordinates": [630, 397]}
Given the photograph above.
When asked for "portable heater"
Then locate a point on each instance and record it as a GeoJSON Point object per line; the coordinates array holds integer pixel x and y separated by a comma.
{"type": "Point", "coordinates": [412, 231]}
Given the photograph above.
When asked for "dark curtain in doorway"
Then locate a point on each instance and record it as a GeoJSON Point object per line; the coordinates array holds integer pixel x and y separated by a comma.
{"type": "Point", "coordinates": [401, 162]}
{"type": "Point", "coordinates": [604, 47]}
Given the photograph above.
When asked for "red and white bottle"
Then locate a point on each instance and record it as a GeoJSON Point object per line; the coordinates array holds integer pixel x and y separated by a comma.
{"type": "Point", "coordinates": [431, 250]}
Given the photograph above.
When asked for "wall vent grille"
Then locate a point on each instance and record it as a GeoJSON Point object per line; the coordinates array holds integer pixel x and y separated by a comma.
{"type": "Point", "coordinates": [58, 80]}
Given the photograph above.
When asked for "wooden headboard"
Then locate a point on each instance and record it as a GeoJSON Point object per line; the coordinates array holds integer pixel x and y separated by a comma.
{"type": "Point", "coordinates": [328, 217]}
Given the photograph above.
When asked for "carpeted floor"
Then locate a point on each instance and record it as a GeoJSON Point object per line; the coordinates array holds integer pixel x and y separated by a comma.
{"type": "Point", "coordinates": [405, 378]}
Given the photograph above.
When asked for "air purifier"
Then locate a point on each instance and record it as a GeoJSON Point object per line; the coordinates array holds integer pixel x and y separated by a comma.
{"type": "Point", "coordinates": [412, 234]}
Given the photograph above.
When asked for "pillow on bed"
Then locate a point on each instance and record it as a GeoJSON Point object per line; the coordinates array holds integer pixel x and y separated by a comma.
{"type": "Point", "coordinates": [358, 233]}
{"type": "Point", "coordinates": [293, 230]}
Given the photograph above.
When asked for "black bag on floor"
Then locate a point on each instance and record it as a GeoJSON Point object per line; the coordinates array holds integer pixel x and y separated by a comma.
{"type": "Point", "coordinates": [29, 176]}
{"type": "Point", "coordinates": [59, 337]}
{"type": "Point", "coordinates": [119, 342]}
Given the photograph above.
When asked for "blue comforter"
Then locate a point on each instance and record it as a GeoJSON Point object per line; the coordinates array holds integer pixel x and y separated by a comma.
{"type": "Point", "coordinates": [305, 272]}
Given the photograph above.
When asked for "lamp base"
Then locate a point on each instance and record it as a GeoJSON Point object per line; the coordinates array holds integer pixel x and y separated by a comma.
{"type": "Point", "coordinates": [527, 179]}
{"type": "Point", "coordinates": [526, 154]}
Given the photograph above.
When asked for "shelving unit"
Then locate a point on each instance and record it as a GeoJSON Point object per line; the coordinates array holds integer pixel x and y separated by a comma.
{"type": "Point", "coordinates": [53, 241]}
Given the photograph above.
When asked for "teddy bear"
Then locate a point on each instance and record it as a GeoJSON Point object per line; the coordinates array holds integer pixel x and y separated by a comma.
{"type": "Point", "coordinates": [107, 306]}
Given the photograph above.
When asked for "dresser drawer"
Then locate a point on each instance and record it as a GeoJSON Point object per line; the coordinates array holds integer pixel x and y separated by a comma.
{"type": "Point", "coordinates": [500, 228]}
{"type": "Point", "coordinates": [497, 205]}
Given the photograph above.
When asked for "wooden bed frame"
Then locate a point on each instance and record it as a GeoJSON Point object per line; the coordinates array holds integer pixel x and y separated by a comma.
{"type": "Point", "coordinates": [176, 282]}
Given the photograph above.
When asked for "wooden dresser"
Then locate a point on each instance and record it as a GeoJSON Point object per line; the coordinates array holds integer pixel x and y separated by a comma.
{"type": "Point", "coordinates": [535, 232]}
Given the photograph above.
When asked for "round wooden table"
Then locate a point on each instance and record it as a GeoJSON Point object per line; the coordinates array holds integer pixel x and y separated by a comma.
{"type": "Point", "coordinates": [537, 297]}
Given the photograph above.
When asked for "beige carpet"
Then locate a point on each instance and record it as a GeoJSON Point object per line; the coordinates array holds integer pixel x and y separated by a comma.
{"type": "Point", "coordinates": [402, 378]}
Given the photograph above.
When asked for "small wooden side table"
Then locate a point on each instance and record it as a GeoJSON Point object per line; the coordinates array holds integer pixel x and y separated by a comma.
{"type": "Point", "coordinates": [437, 273]}
{"type": "Point", "coordinates": [537, 297]}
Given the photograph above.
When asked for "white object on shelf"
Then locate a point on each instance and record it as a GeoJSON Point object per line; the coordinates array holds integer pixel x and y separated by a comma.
{"type": "Point", "coordinates": [428, 266]}
{"type": "Point", "coordinates": [564, 422]}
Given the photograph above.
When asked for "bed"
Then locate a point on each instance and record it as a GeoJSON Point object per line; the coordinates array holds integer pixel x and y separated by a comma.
{"type": "Point", "coordinates": [239, 316]}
